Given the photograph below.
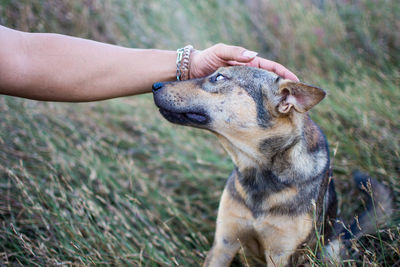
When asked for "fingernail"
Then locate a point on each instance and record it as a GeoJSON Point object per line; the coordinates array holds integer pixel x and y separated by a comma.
{"type": "Point", "coordinates": [249, 54]}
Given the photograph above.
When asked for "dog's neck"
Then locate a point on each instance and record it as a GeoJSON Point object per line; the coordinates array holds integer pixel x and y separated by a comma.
{"type": "Point", "coordinates": [295, 156]}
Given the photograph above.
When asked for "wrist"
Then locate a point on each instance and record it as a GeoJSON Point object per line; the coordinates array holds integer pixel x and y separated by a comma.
{"type": "Point", "coordinates": [164, 63]}
{"type": "Point", "coordinates": [183, 62]}
{"type": "Point", "coordinates": [193, 71]}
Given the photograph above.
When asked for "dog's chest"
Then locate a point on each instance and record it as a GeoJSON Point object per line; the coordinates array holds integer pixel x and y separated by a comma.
{"type": "Point", "coordinates": [281, 234]}
{"type": "Point", "coordinates": [264, 194]}
{"type": "Point", "coordinates": [262, 220]}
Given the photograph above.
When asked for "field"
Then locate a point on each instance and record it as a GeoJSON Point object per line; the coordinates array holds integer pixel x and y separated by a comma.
{"type": "Point", "coordinates": [113, 183]}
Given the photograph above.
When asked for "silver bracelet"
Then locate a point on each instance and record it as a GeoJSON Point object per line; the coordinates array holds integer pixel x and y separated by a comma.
{"type": "Point", "coordinates": [182, 62]}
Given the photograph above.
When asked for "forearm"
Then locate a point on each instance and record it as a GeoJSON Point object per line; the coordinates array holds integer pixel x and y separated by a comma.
{"type": "Point", "coordinates": [61, 68]}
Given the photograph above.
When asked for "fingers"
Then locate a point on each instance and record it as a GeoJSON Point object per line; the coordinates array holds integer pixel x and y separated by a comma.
{"type": "Point", "coordinates": [236, 55]}
{"type": "Point", "coordinates": [274, 67]}
{"type": "Point", "coordinates": [233, 53]}
{"type": "Point", "coordinates": [235, 63]}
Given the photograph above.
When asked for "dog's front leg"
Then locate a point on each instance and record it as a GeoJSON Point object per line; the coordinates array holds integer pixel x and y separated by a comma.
{"type": "Point", "coordinates": [221, 254]}
{"type": "Point", "coordinates": [230, 228]}
{"type": "Point", "coordinates": [281, 260]}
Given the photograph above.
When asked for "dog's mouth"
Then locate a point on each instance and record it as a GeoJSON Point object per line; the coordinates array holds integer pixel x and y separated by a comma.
{"type": "Point", "coordinates": [187, 118]}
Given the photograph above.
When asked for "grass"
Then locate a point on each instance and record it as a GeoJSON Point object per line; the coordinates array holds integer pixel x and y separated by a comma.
{"type": "Point", "coordinates": [113, 183]}
{"type": "Point", "coordinates": [101, 197]}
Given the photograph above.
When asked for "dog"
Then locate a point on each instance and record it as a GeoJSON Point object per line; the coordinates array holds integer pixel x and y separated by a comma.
{"type": "Point", "coordinates": [280, 197]}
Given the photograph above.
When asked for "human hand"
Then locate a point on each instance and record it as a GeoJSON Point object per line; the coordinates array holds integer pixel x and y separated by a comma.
{"type": "Point", "coordinates": [205, 62]}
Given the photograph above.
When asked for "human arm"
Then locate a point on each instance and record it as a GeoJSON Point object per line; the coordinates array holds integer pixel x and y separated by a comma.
{"type": "Point", "coordinates": [55, 67]}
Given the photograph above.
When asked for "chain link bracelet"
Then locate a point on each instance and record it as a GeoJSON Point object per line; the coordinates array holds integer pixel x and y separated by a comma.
{"type": "Point", "coordinates": [182, 62]}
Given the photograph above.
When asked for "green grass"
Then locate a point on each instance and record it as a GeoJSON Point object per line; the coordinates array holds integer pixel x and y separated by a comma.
{"type": "Point", "coordinates": [114, 183]}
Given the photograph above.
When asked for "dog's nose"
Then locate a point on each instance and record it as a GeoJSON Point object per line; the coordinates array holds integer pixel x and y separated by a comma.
{"type": "Point", "coordinates": [157, 86]}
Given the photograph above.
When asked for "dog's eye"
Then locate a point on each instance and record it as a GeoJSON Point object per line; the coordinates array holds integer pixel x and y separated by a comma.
{"type": "Point", "coordinates": [277, 79]}
{"type": "Point", "coordinates": [218, 77]}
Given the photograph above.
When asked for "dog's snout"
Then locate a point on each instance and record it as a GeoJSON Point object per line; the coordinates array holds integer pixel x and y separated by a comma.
{"type": "Point", "coordinates": [157, 86]}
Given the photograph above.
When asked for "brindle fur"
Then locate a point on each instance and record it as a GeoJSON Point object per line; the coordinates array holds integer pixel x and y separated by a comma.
{"type": "Point", "coordinates": [280, 188]}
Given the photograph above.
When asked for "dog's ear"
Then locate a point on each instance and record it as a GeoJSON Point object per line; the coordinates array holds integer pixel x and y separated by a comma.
{"type": "Point", "coordinates": [300, 96]}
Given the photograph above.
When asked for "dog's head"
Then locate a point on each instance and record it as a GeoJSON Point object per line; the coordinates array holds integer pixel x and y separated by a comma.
{"type": "Point", "coordinates": [244, 106]}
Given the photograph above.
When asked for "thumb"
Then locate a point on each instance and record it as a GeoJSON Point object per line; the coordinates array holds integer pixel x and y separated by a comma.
{"type": "Point", "coordinates": [234, 53]}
